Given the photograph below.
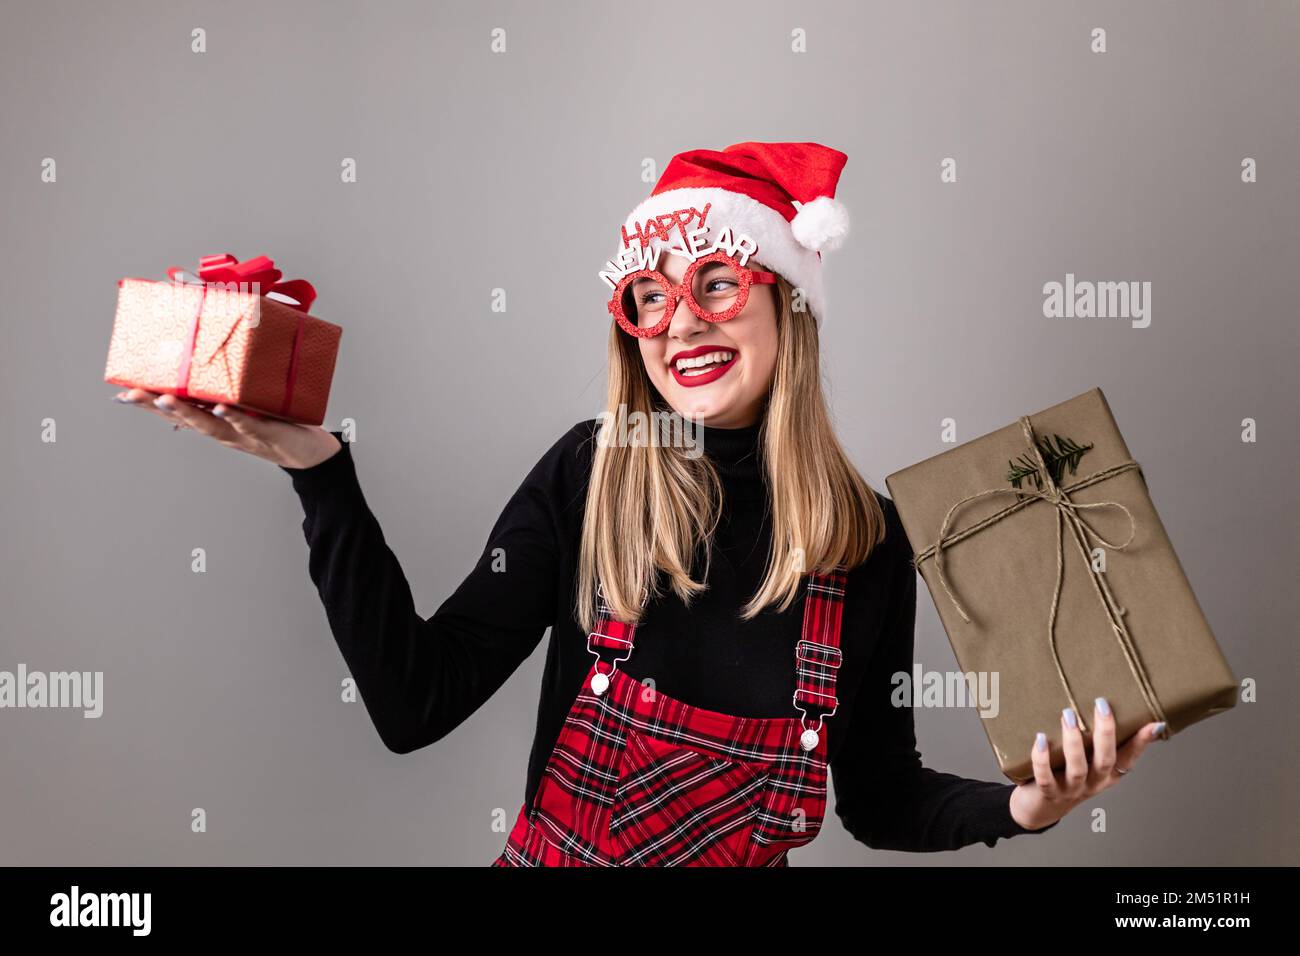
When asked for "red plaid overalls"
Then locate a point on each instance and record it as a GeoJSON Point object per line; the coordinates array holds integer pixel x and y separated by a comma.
{"type": "Point", "coordinates": [640, 779]}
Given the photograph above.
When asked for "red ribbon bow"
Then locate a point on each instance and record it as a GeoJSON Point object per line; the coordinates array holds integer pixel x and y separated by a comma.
{"type": "Point", "coordinates": [260, 269]}
{"type": "Point", "coordinates": [226, 268]}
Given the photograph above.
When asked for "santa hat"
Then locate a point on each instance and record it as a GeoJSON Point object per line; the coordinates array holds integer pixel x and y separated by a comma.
{"type": "Point", "coordinates": [753, 188]}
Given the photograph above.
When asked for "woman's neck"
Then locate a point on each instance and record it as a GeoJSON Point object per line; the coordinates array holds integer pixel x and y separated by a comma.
{"type": "Point", "coordinates": [730, 445]}
{"type": "Point", "coordinates": [737, 454]}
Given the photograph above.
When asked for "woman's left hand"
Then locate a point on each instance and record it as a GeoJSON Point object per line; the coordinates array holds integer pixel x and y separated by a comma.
{"type": "Point", "coordinates": [1050, 796]}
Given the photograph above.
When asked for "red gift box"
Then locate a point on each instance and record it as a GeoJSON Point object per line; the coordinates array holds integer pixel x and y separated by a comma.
{"type": "Point", "coordinates": [228, 336]}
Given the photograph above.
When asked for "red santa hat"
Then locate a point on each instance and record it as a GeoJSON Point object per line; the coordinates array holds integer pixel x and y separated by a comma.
{"type": "Point", "coordinates": [782, 195]}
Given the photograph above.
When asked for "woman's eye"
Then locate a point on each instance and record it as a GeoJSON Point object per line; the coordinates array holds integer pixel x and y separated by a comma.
{"type": "Point", "coordinates": [722, 285]}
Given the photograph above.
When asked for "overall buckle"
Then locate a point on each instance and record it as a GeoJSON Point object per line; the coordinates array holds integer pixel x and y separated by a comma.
{"type": "Point", "coordinates": [600, 680]}
{"type": "Point", "coordinates": [810, 736]}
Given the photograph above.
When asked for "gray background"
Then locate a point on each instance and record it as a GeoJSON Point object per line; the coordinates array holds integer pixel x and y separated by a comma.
{"type": "Point", "coordinates": [478, 171]}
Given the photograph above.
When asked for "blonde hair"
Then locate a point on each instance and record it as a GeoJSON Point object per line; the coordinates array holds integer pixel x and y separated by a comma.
{"type": "Point", "coordinates": [651, 507]}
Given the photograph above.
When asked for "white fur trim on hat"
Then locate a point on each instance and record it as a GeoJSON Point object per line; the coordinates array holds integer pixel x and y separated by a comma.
{"type": "Point", "coordinates": [777, 247]}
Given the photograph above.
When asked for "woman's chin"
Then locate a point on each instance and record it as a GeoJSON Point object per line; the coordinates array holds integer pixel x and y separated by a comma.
{"type": "Point", "coordinates": [701, 408]}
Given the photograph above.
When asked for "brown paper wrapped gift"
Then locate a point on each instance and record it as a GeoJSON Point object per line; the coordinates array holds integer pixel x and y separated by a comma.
{"type": "Point", "coordinates": [1024, 518]}
{"type": "Point", "coordinates": [219, 337]}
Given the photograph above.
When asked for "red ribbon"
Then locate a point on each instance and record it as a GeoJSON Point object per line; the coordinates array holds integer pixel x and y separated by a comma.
{"type": "Point", "coordinates": [260, 269]}
{"type": "Point", "coordinates": [226, 268]}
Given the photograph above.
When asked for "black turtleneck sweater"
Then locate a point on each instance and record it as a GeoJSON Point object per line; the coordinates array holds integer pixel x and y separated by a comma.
{"type": "Point", "coordinates": [421, 678]}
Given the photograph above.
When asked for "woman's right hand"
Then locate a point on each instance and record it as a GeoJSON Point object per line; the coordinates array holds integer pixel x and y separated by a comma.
{"type": "Point", "coordinates": [283, 443]}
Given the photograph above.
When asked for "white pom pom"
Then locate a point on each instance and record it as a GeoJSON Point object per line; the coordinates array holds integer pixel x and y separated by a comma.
{"type": "Point", "coordinates": [821, 225]}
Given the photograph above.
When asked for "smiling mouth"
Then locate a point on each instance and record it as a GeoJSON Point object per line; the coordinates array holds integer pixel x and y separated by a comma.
{"type": "Point", "coordinates": [703, 363]}
{"type": "Point", "coordinates": [703, 369]}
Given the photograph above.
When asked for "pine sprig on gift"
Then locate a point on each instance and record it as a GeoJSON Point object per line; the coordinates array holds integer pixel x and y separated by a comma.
{"type": "Point", "coordinates": [1066, 454]}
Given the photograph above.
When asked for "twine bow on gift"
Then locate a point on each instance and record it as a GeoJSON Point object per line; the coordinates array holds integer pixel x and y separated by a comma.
{"type": "Point", "coordinates": [1068, 513]}
{"type": "Point", "coordinates": [258, 276]}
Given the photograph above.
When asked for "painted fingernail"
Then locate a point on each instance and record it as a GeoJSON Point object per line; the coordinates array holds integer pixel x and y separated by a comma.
{"type": "Point", "coordinates": [158, 402]}
{"type": "Point", "coordinates": [219, 411]}
{"type": "Point", "coordinates": [1103, 707]}
{"type": "Point", "coordinates": [1158, 729]}
{"type": "Point", "coordinates": [1040, 742]}
{"type": "Point", "coordinates": [121, 398]}
{"type": "Point", "coordinates": [1070, 719]}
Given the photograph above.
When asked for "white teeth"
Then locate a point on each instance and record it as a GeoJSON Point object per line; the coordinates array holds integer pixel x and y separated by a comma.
{"type": "Point", "coordinates": [700, 361]}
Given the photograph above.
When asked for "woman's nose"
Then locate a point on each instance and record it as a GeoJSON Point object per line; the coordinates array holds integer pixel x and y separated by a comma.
{"type": "Point", "coordinates": [684, 321]}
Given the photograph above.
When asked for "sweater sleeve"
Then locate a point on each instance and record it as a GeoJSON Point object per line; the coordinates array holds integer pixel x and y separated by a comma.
{"type": "Point", "coordinates": [421, 678]}
{"type": "Point", "coordinates": [884, 796]}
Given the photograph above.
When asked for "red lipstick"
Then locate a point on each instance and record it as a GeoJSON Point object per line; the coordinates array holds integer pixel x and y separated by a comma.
{"type": "Point", "coordinates": [702, 378]}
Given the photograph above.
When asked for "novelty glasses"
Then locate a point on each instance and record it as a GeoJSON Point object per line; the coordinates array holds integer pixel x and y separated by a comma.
{"type": "Point", "coordinates": [715, 287]}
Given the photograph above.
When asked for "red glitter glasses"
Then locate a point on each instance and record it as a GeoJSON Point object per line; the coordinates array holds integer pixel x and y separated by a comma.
{"type": "Point", "coordinates": [715, 287]}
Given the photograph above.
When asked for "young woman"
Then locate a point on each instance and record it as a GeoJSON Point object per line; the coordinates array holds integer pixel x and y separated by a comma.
{"type": "Point", "coordinates": [728, 604]}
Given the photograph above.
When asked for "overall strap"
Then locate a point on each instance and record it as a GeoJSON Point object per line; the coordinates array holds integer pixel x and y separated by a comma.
{"type": "Point", "coordinates": [817, 655]}
{"type": "Point", "coordinates": [613, 634]}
